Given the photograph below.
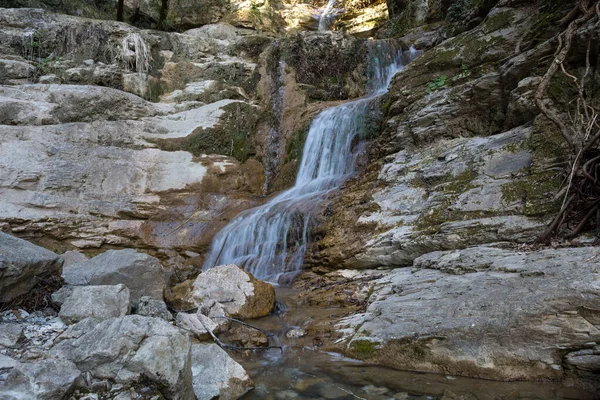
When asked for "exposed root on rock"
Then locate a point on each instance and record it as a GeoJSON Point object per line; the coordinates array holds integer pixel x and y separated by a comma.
{"type": "Point", "coordinates": [580, 129]}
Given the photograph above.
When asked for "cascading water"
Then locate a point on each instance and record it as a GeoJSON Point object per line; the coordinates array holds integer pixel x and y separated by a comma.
{"type": "Point", "coordinates": [328, 16]}
{"type": "Point", "coordinates": [269, 241]}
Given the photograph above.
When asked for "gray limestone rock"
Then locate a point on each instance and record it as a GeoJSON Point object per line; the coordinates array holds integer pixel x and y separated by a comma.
{"type": "Point", "coordinates": [126, 348]}
{"type": "Point", "coordinates": [238, 292]}
{"type": "Point", "coordinates": [6, 362]}
{"type": "Point", "coordinates": [150, 307]}
{"type": "Point", "coordinates": [99, 302]}
{"type": "Point", "coordinates": [42, 380]}
{"type": "Point", "coordinates": [216, 375]}
{"type": "Point", "coordinates": [496, 313]}
{"type": "Point", "coordinates": [10, 333]}
{"type": "Point", "coordinates": [140, 272]}
{"type": "Point", "coordinates": [20, 263]}
{"type": "Point", "coordinates": [196, 324]}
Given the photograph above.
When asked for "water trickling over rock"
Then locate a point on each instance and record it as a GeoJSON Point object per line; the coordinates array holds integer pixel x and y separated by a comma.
{"type": "Point", "coordinates": [328, 16]}
{"type": "Point", "coordinates": [270, 241]}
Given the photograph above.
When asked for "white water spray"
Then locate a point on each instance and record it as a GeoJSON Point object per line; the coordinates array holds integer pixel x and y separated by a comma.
{"type": "Point", "coordinates": [328, 15]}
{"type": "Point", "coordinates": [270, 241]}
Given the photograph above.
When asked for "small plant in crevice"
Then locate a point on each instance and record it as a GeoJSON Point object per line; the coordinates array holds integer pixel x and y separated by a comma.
{"type": "Point", "coordinates": [50, 65]}
{"type": "Point", "coordinates": [436, 84]}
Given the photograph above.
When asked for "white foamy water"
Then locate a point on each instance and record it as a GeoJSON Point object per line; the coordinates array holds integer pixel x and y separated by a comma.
{"type": "Point", "coordinates": [270, 241]}
{"type": "Point", "coordinates": [328, 16]}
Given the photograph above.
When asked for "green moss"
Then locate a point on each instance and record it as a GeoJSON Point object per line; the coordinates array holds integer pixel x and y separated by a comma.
{"type": "Point", "coordinates": [442, 56]}
{"type": "Point", "coordinates": [461, 183]}
{"type": "Point", "coordinates": [364, 349]}
{"type": "Point", "coordinates": [536, 192]}
{"type": "Point", "coordinates": [498, 21]}
{"type": "Point", "coordinates": [561, 89]}
{"type": "Point", "coordinates": [295, 145]}
{"type": "Point", "coordinates": [414, 349]}
{"type": "Point", "coordinates": [546, 143]}
{"type": "Point", "coordinates": [451, 187]}
{"type": "Point", "coordinates": [474, 48]}
{"type": "Point", "coordinates": [385, 106]}
{"type": "Point", "coordinates": [233, 136]}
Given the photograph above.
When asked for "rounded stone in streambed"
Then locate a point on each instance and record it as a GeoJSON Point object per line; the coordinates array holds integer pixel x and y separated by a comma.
{"type": "Point", "coordinates": [239, 293]}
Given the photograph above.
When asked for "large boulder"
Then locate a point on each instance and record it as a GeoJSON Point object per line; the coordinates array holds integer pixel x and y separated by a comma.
{"type": "Point", "coordinates": [239, 293]}
{"type": "Point", "coordinates": [41, 380]}
{"type": "Point", "coordinates": [100, 302]}
{"type": "Point", "coordinates": [216, 375]}
{"type": "Point", "coordinates": [21, 264]}
{"type": "Point", "coordinates": [140, 272]}
{"type": "Point", "coordinates": [485, 312]}
{"type": "Point", "coordinates": [129, 348]}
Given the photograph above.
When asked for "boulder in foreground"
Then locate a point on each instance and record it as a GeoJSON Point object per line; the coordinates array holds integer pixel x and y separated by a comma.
{"type": "Point", "coordinates": [240, 294]}
{"type": "Point", "coordinates": [21, 264]}
{"type": "Point", "coordinates": [216, 375]}
{"type": "Point", "coordinates": [486, 312]}
{"type": "Point", "coordinates": [41, 380]}
{"type": "Point", "coordinates": [101, 302]}
{"type": "Point", "coordinates": [140, 272]}
{"type": "Point", "coordinates": [130, 348]}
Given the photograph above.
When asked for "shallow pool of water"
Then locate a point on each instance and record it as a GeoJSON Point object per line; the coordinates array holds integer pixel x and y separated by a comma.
{"type": "Point", "coordinates": [301, 370]}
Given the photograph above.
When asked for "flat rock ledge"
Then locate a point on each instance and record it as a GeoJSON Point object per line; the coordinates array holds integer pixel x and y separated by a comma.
{"type": "Point", "coordinates": [486, 312]}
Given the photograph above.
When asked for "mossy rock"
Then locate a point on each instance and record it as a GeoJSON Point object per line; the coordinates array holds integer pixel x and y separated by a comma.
{"type": "Point", "coordinates": [233, 136]}
{"type": "Point", "coordinates": [363, 349]}
{"type": "Point", "coordinates": [335, 64]}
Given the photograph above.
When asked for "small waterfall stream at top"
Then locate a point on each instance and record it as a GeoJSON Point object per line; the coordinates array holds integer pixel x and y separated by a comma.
{"type": "Point", "coordinates": [328, 16]}
{"type": "Point", "coordinates": [269, 241]}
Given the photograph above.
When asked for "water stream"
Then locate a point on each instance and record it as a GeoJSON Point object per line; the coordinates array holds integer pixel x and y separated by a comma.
{"type": "Point", "coordinates": [328, 16]}
{"type": "Point", "coordinates": [303, 371]}
{"type": "Point", "coordinates": [270, 240]}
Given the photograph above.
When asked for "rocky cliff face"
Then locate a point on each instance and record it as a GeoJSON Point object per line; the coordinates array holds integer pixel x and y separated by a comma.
{"type": "Point", "coordinates": [463, 155]}
{"type": "Point", "coordinates": [117, 137]}
{"type": "Point", "coordinates": [114, 136]}
{"type": "Point", "coordinates": [465, 161]}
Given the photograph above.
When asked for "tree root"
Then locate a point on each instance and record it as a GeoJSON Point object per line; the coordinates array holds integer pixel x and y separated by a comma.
{"type": "Point", "coordinates": [580, 131]}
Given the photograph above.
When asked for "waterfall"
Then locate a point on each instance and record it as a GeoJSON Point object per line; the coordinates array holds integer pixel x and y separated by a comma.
{"type": "Point", "coordinates": [270, 240]}
{"type": "Point", "coordinates": [328, 16]}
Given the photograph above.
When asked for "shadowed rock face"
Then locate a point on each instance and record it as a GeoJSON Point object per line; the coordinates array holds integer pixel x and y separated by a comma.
{"type": "Point", "coordinates": [463, 155]}
{"type": "Point", "coordinates": [22, 264]}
